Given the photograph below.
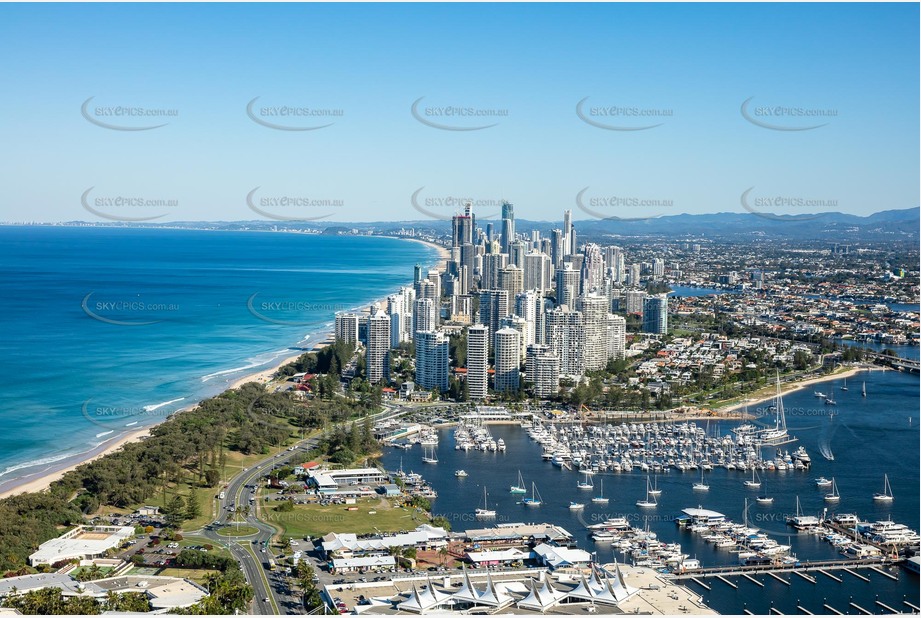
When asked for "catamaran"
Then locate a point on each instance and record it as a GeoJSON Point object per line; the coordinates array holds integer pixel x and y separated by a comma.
{"type": "Point", "coordinates": [485, 512]}
{"type": "Point", "coordinates": [647, 503]}
{"type": "Point", "coordinates": [519, 488]}
{"type": "Point", "coordinates": [701, 486]}
{"type": "Point", "coordinates": [586, 484]}
{"type": "Point", "coordinates": [600, 499]}
{"type": "Point", "coordinates": [886, 496]}
{"type": "Point", "coordinates": [534, 500]}
{"type": "Point", "coordinates": [834, 496]}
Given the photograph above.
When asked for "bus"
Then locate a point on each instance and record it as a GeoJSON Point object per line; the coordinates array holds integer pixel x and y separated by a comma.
{"type": "Point", "coordinates": [271, 564]}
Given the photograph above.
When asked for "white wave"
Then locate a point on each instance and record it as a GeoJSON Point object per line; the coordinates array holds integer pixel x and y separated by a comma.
{"type": "Point", "coordinates": [131, 424]}
{"type": "Point", "coordinates": [157, 406]}
{"type": "Point", "coordinates": [255, 363]}
{"type": "Point", "coordinates": [45, 461]}
{"type": "Point", "coordinates": [104, 433]}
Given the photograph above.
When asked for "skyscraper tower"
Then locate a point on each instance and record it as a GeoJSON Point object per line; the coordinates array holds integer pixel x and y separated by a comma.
{"type": "Point", "coordinates": [494, 305]}
{"type": "Point", "coordinates": [432, 360]}
{"type": "Point", "coordinates": [508, 359]}
{"type": "Point", "coordinates": [594, 310]}
{"type": "Point", "coordinates": [477, 361]}
{"type": "Point", "coordinates": [567, 232]}
{"type": "Point", "coordinates": [655, 314]}
{"type": "Point", "coordinates": [567, 286]}
{"type": "Point", "coordinates": [377, 360]}
{"type": "Point", "coordinates": [508, 226]}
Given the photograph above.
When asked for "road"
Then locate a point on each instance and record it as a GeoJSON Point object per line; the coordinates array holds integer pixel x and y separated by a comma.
{"type": "Point", "coordinates": [252, 552]}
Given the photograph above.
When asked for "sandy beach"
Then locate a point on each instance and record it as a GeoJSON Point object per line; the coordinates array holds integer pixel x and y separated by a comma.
{"type": "Point", "coordinates": [795, 386]}
{"type": "Point", "coordinates": [43, 480]}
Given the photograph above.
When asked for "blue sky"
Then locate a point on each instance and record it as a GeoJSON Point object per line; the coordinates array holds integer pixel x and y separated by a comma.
{"type": "Point", "coordinates": [691, 66]}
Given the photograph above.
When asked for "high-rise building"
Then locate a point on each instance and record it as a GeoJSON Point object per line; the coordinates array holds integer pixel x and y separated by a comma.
{"type": "Point", "coordinates": [435, 277]}
{"type": "Point", "coordinates": [617, 336]}
{"type": "Point", "coordinates": [493, 307]}
{"type": "Point", "coordinates": [511, 279]}
{"type": "Point", "coordinates": [508, 226]}
{"type": "Point", "coordinates": [462, 309]}
{"type": "Point", "coordinates": [529, 305]}
{"type": "Point", "coordinates": [536, 268]}
{"type": "Point", "coordinates": [508, 359]}
{"type": "Point", "coordinates": [347, 327]}
{"type": "Point", "coordinates": [492, 264]}
{"type": "Point", "coordinates": [565, 336]}
{"type": "Point", "coordinates": [592, 268]}
{"type": "Point", "coordinates": [655, 314]}
{"type": "Point", "coordinates": [462, 227]}
{"type": "Point", "coordinates": [633, 276]}
{"type": "Point", "coordinates": [594, 309]}
{"type": "Point", "coordinates": [377, 358]}
{"type": "Point", "coordinates": [567, 286]}
{"type": "Point", "coordinates": [567, 233]}
{"type": "Point", "coordinates": [477, 361]}
{"type": "Point", "coordinates": [634, 301]}
{"type": "Point", "coordinates": [519, 324]}
{"type": "Point", "coordinates": [396, 310]}
{"type": "Point", "coordinates": [542, 369]}
{"type": "Point", "coordinates": [423, 316]}
{"type": "Point", "coordinates": [432, 360]}
{"type": "Point", "coordinates": [658, 268]}
{"type": "Point", "coordinates": [557, 248]}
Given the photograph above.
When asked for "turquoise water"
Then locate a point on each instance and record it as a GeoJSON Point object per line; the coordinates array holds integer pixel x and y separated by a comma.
{"type": "Point", "coordinates": [108, 330]}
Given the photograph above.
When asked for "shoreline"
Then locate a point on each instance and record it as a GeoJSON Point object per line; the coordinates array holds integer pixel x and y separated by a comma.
{"type": "Point", "coordinates": [25, 484]}
{"type": "Point", "coordinates": [796, 386]}
{"type": "Point", "coordinates": [41, 480]}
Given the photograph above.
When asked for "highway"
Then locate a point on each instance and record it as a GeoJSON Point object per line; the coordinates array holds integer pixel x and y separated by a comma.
{"type": "Point", "coordinates": [251, 551]}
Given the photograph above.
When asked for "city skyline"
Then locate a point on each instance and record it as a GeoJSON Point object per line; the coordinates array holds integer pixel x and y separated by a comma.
{"type": "Point", "coordinates": [629, 111]}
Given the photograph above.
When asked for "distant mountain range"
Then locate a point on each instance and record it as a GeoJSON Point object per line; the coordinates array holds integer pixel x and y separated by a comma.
{"type": "Point", "coordinates": [887, 225]}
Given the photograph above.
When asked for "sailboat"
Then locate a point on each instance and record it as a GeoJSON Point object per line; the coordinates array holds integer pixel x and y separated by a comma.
{"type": "Point", "coordinates": [534, 500]}
{"type": "Point", "coordinates": [701, 486]}
{"type": "Point", "coordinates": [485, 512]}
{"type": "Point", "coordinates": [763, 498]}
{"type": "Point", "coordinates": [863, 391]}
{"type": "Point", "coordinates": [886, 496]}
{"type": "Point", "coordinates": [844, 388]}
{"type": "Point", "coordinates": [755, 482]}
{"type": "Point", "coordinates": [600, 499]}
{"type": "Point", "coordinates": [647, 503]}
{"type": "Point", "coordinates": [429, 456]}
{"type": "Point", "coordinates": [655, 491]}
{"type": "Point", "coordinates": [576, 506]}
{"type": "Point", "coordinates": [586, 484]}
{"type": "Point", "coordinates": [519, 488]}
{"type": "Point", "coordinates": [834, 496]}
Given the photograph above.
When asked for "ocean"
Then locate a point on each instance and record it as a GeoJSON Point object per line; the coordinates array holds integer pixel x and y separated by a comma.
{"type": "Point", "coordinates": [866, 437]}
{"type": "Point", "coordinates": [108, 330]}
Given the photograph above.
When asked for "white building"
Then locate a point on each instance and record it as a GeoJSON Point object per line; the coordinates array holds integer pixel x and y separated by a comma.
{"type": "Point", "coordinates": [565, 336]}
{"type": "Point", "coordinates": [594, 309]}
{"type": "Point", "coordinates": [81, 543]}
{"type": "Point", "coordinates": [347, 327]}
{"type": "Point", "coordinates": [432, 360]}
{"type": "Point", "coordinates": [508, 359]}
{"type": "Point", "coordinates": [377, 359]}
{"type": "Point", "coordinates": [543, 370]}
{"type": "Point", "coordinates": [477, 361]}
{"type": "Point", "coordinates": [617, 336]}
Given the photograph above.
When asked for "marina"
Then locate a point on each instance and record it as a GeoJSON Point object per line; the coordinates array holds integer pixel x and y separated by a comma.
{"type": "Point", "coordinates": [794, 490]}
